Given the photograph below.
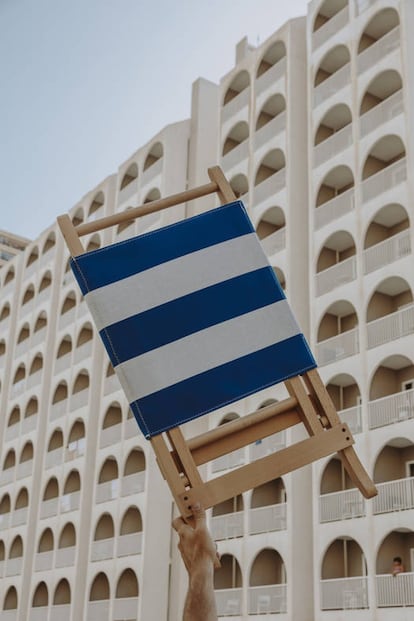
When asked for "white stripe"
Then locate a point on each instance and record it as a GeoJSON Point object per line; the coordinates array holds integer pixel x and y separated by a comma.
{"type": "Point", "coordinates": [206, 349]}
{"type": "Point", "coordinates": [174, 279]}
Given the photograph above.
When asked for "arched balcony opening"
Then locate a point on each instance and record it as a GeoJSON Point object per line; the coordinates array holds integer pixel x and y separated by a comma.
{"type": "Point", "coordinates": [390, 312]}
{"type": "Point", "coordinates": [72, 483]}
{"type": "Point", "coordinates": [5, 507]}
{"type": "Point", "coordinates": [2, 347]}
{"type": "Point", "coordinates": [384, 167]}
{"type": "Point", "coordinates": [108, 480]}
{"type": "Point", "coordinates": [280, 277]}
{"type": "Point", "coordinates": [28, 295]}
{"type": "Point", "coordinates": [239, 83]}
{"type": "Point", "coordinates": [96, 205]}
{"type": "Point", "coordinates": [46, 541]}
{"type": "Point", "coordinates": [268, 507]}
{"type": "Point", "coordinates": [30, 415]}
{"type": "Point", "coordinates": [236, 136]}
{"type": "Point", "coordinates": [13, 422]}
{"type": "Point", "coordinates": [333, 121]}
{"type": "Point", "coordinates": [129, 176]}
{"type": "Point", "coordinates": [271, 57]}
{"type": "Point", "coordinates": [153, 195]}
{"type": "Point", "coordinates": [332, 62]}
{"type": "Point", "coordinates": [80, 390]}
{"type": "Point", "coordinates": [387, 238]}
{"type": "Point", "coordinates": [63, 353]}
{"type": "Point", "coordinates": [394, 476]}
{"type": "Point", "coordinates": [227, 518]}
{"type": "Point", "coordinates": [111, 432]}
{"type": "Point", "coordinates": [103, 539]}
{"type": "Point", "coordinates": [327, 11]}
{"type": "Point", "coordinates": [51, 489]}
{"type": "Point", "coordinates": [33, 256]}
{"type": "Point", "coordinates": [19, 381]}
{"type": "Point", "coordinates": [392, 392]}
{"type": "Point", "coordinates": [62, 596]}
{"type": "Point", "coordinates": [78, 217]}
{"type": "Point", "coordinates": [126, 225]}
{"type": "Point", "coordinates": [94, 243]}
{"type": "Point", "coordinates": [378, 27]}
{"type": "Point", "coordinates": [66, 550]}
{"type": "Point", "coordinates": [270, 165]}
{"type": "Point", "coordinates": [344, 576]}
{"type": "Point", "coordinates": [26, 455]}
{"type": "Point", "coordinates": [155, 153]}
{"type": "Point", "coordinates": [5, 312]}
{"type": "Point", "coordinates": [100, 588]}
{"type": "Point", "coordinates": [37, 365]}
{"type": "Point", "coordinates": [69, 303]}
{"type": "Point", "coordinates": [76, 440]}
{"type": "Point", "coordinates": [336, 193]}
{"type": "Point", "coordinates": [61, 393]}
{"type": "Point", "coordinates": [40, 596]}
{"type": "Point", "coordinates": [228, 586]}
{"type": "Point", "coordinates": [16, 548]}
{"type": "Point", "coordinates": [9, 460]}
{"type": "Point", "coordinates": [127, 585]}
{"type": "Point", "coordinates": [267, 583]}
{"type": "Point", "coordinates": [49, 243]}
{"type": "Point", "coordinates": [271, 230]}
{"type": "Point", "coordinates": [130, 533]}
{"type": "Point", "coordinates": [46, 282]}
{"type": "Point", "coordinates": [339, 498]}
{"type": "Point", "coordinates": [10, 599]}
{"type": "Point", "coordinates": [9, 276]}
{"type": "Point", "coordinates": [382, 101]}
{"type": "Point", "coordinates": [336, 264]}
{"type": "Point", "coordinates": [40, 324]}
{"type": "Point", "coordinates": [134, 473]}
{"type": "Point", "coordinates": [394, 580]}
{"type": "Point", "coordinates": [135, 462]}
{"type": "Point", "coordinates": [338, 333]}
{"type": "Point", "coordinates": [346, 396]}
{"type": "Point", "coordinates": [84, 342]}
{"type": "Point", "coordinates": [22, 499]}
{"type": "Point", "coordinates": [274, 107]}
{"type": "Point", "coordinates": [239, 185]}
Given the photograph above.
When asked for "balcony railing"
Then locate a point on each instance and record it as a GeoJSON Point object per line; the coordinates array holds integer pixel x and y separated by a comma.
{"type": "Point", "coordinates": [58, 409]}
{"type": "Point", "coordinates": [98, 610]}
{"type": "Point", "coordinates": [379, 50]}
{"type": "Point", "coordinates": [338, 347]}
{"type": "Point", "coordinates": [227, 526]}
{"type": "Point", "coordinates": [231, 460]}
{"type": "Point", "coordinates": [393, 591]}
{"type": "Point", "coordinates": [129, 544]}
{"type": "Point", "coordinates": [128, 191]}
{"type": "Point", "coordinates": [267, 519]}
{"type": "Point", "coordinates": [341, 505]}
{"type": "Point", "coordinates": [236, 104]}
{"type": "Point", "coordinates": [344, 593]}
{"type": "Point", "coordinates": [65, 557]}
{"type": "Point", "coordinates": [229, 602]}
{"type": "Point", "coordinates": [59, 612]}
{"type": "Point", "coordinates": [268, 445]}
{"type": "Point", "coordinates": [107, 491]}
{"type": "Point", "coordinates": [236, 155]}
{"type": "Point", "coordinates": [352, 417]}
{"type": "Point", "coordinates": [271, 76]}
{"type": "Point", "coordinates": [34, 379]}
{"type": "Point", "coordinates": [393, 326]}
{"type": "Point", "coordinates": [333, 145]}
{"type": "Point", "coordinates": [102, 549]}
{"type": "Point", "coordinates": [83, 351]}
{"type": "Point", "coordinates": [332, 85]}
{"type": "Point", "coordinates": [334, 208]}
{"type": "Point", "coordinates": [111, 384]}
{"type": "Point", "coordinates": [29, 423]}
{"type": "Point", "coordinates": [110, 435]}
{"type": "Point", "coordinates": [125, 608]}
{"type": "Point", "coordinates": [331, 27]}
{"type": "Point", "coordinates": [269, 186]}
{"type": "Point", "coordinates": [70, 502]}
{"type": "Point", "coordinates": [67, 318]}
{"type": "Point", "coordinates": [383, 112]}
{"type": "Point", "coordinates": [133, 483]}
{"type": "Point", "coordinates": [387, 251]}
{"type": "Point", "coordinates": [383, 180]}
{"type": "Point", "coordinates": [19, 516]}
{"type": "Point", "coordinates": [49, 508]}
{"type": "Point", "coordinates": [25, 469]}
{"type": "Point", "coordinates": [336, 275]}
{"type": "Point", "coordinates": [4, 521]}
{"type": "Point", "coordinates": [153, 171]}
{"type": "Point", "coordinates": [44, 560]}
{"type": "Point", "coordinates": [394, 496]}
{"type": "Point", "coordinates": [130, 428]}
{"type": "Point", "coordinates": [75, 449]}
{"type": "Point", "coordinates": [274, 242]}
{"type": "Point", "coordinates": [63, 362]}
{"type": "Point", "coordinates": [54, 458]}
{"type": "Point", "coordinates": [79, 399]}
{"type": "Point", "coordinates": [14, 566]}
{"type": "Point", "coordinates": [267, 599]}
{"type": "Point", "coordinates": [391, 409]}
{"type": "Point", "coordinates": [269, 131]}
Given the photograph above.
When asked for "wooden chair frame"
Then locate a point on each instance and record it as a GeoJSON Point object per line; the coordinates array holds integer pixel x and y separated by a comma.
{"type": "Point", "coordinates": [309, 403]}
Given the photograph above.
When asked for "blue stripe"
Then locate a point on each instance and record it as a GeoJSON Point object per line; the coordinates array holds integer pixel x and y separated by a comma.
{"type": "Point", "coordinates": [221, 386]}
{"type": "Point", "coordinates": [189, 314]}
{"type": "Point", "coordinates": [107, 265]}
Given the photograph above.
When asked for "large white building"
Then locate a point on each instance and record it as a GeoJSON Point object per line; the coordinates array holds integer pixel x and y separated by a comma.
{"type": "Point", "coordinates": [313, 130]}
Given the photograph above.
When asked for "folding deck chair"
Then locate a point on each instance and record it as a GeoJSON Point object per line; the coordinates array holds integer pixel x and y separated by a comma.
{"type": "Point", "coordinates": [193, 318]}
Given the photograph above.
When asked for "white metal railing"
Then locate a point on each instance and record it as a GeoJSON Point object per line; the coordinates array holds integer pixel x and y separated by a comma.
{"type": "Point", "coordinates": [331, 27]}
{"type": "Point", "coordinates": [271, 76]}
{"type": "Point", "coordinates": [133, 483]}
{"type": "Point", "coordinates": [352, 417]}
{"type": "Point", "coordinates": [75, 449]}
{"type": "Point", "coordinates": [274, 242]}
{"type": "Point", "coordinates": [268, 445]}
{"type": "Point", "coordinates": [125, 608]}
{"type": "Point", "coordinates": [227, 526]}
{"type": "Point", "coordinates": [393, 326]}
{"type": "Point", "coordinates": [49, 508]}
{"type": "Point", "coordinates": [338, 347]}
{"type": "Point", "coordinates": [333, 145]}
{"type": "Point", "coordinates": [69, 502]}
{"type": "Point", "coordinates": [229, 602]}
{"type": "Point", "coordinates": [334, 208]}
{"type": "Point", "coordinates": [44, 560]}
{"type": "Point", "coordinates": [9, 615]}
{"type": "Point", "coordinates": [43, 295]}
{"type": "Point", "coordinates": [336, 81]}
{"type": "Point", "coordinates": [344, 593]}
{"type": "Point", "coordinates": [267, 598]}
{"type": "Point", "coordinates": [102, 549]}
{"type": "Point", "coordinates": [394, 496]}
{"type": "Point", "coordinates": [267, 519]}
{"type": "Point", "coordinates": [38, 613]}
{"type": "Point", "coordinates": [341, 505]}
{"type": "Point", "coordinates": [129, 544]}
{"type": "Point", "coordinates": [269, 186]}
{"type": "Point", "coordinates": [128, 191]}
{"type": "Point", "coordinates": [383, 112]}
{"type": "Point", "coordinates": [110, 435]}
{"type": "Point", "coordinates": [384, 179]}
{"type": "Point", "coordinates": [65, 557]}
{"type": "Point", "coordinates": [269, 131]}
{"type": "Point", "coordinates": [236, 104]}
{"type": "Point", "coordinates": [231, 460]}
{"type": "Point", "coordinates": [336, 275]}
{"type": "Point", "coordinates": [22, 347]}
{"type": "Point", "coordinates": [54, 458]}
{"type": "Point", "coordinates": [98, 610]}
{"type": "Point", "coordinates": [59, 612]}
{"type": "Point", "coordinates": [391, 409]}
{"type": "Point", "coordinates": [378, 50]}
{"type": "Point", "coordinates": [236, 155]}
{"type": "Point", "coordinates": [392, 591]}
{"type": "Point", "coordinates": [387, 251]}
{"type": "Point", "coordinates": [107, 491]}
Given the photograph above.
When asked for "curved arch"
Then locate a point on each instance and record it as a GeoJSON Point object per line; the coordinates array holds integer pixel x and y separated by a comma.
{"type": "Point", "coordinates": [272, 220]}
{"type": "Point", "coordinates": [78, 216]}
{"type": "Point", "coordinates": [65, 346]}
{"type": "Point", "coordinates": [37, 364]}
{"type": "Point", "coordinates": [388, 222]}
{"type": "Point", "coordinates": [5, 311]}
{"type": "Point", "coordinates": [135, 462]}
{"type": "Point", "coordinates": [390, 295]}
{"type": "Point", "coordinates": [397, 543]}
{"type": "Point", "coordinates": [61, 392]}
{"type": "Point", "coordinates": [62, 593]}
{"type": "Point", "coordinates": [271, 164]}
{"type": "Point", "coordinates": [10, 275]}
{"type": "Point", "coordinates": [41, 322]}
{"type": "Point", "coordinates": [127, 585]}
{"type": "Point", "coordinates": [378, 26]}
{"type": "Point", "coordinates": [40, 596]}
{"type": "Point", "coordinates": [273, 107]}
{"type": "Point", "coordinates": [338, 318]}
{"type": "Point", "coordinates": [391, 464]}
{"type": "Point", "coordinates": [14, 417]}
{"type": "Point", "coordinates": [153, 195]}
{"type": "Point", "coordinates": [239, 185]}
{"type": "Point", "coordinates": [267, 568]}
{"type": "Point", "coordinates": [337, 248]}
{"type": "Point", "coordinates": [230, 575]}
{"type": "Point", "coordinates": [68, 303]}
{"type": "Point", "coordinates": [129, 176]}
{"type": "Point", "coordinates": [51, 489]}
{"type": "Point", "coordinates": [131, 521]}
{"type": "Point", "coordinates": [67, 537]}
{"type": "Point", "coordinates": [26, 452]}
{"type": "Point", "coordinates": [28, 294]}
{"type": "Point", "coordinates": [45, 282]}
{"type": "Point", "coordinates": [20, 373]}
{"type": "Point", "coordinates": [85, 334]}
{"type": "Point", "coordinates": [10, 599]}
{"type": "Point", "coordinates": [335, 119]}
{"type": "Point", "coordinates": [46, 541]}
{"type": "Point", "coordinates": [100, 589]}
{"type": "Point", "coordinates": [344, 558]}
{"type": "Point", "coordinates": [33, 256]}
{"type": "Point", "coordinates": [22, 499]}
{"type": "Point", "coordinates": [337, 181]}
{"type": "Point", "coordinates": [97, 202]}
{"type": "Point", "coordinates": [16, 547]}
{"type": "Point", "coordinates": [72, 482]}
{"type": "Point", "coordinates": [274, 54]}
{"type": "Point", "coordinates": [384, 152]}
{"type": "Point", "coordinates": [104, 528]}
{"type": "Point", "coordinates": [24, 333]}
{"type": "Point", "coordinates": [384, 85]}
{"type": "Point", "coordinates": [334, 59]}
{"type": "Point", "coordinates": [9, 460]}
{"type": "Point", "coordinates": [32, 407]}
{"type": "Point", "coordinates": [113, 415]}
{"type": "Point", "coordinates": [49, 243]}
{"type": "Point", "coordinates": [327, 11]}
{"type": "Point", "coordinates": [345, 393]}
{"type": "Point", "coordinates": [387, 380]}
{"type": "Point", "coordinates": [2, 347]}
{"type": "Point", "coordinates": [238, 134]}
{"type": "Point", "coordinates": [81, 382]}
{"type": "Point", "coordinates": [5, 504]}
{"type": "Point", "coordinates": [109, 470]}
{"type": "Point", "coordinates": [239, 83]}
{"type": "Point", "coordinates": [155, 153]}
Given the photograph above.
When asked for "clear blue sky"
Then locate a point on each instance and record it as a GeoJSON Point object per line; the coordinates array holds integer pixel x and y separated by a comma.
{"type": "Point", "coordinates": [84, 83]}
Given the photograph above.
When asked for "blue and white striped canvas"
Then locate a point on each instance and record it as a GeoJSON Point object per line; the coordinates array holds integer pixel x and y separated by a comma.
{"type": "Point", "coordinates": [192, 317]}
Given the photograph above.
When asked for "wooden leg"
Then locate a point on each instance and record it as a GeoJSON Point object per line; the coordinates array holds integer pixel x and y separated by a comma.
{"type": "Point", "coordinates": [225, 190]}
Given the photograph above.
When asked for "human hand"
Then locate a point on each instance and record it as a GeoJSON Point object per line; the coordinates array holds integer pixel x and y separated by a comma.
{"type": "Point", "coordinates": [197, 548]}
